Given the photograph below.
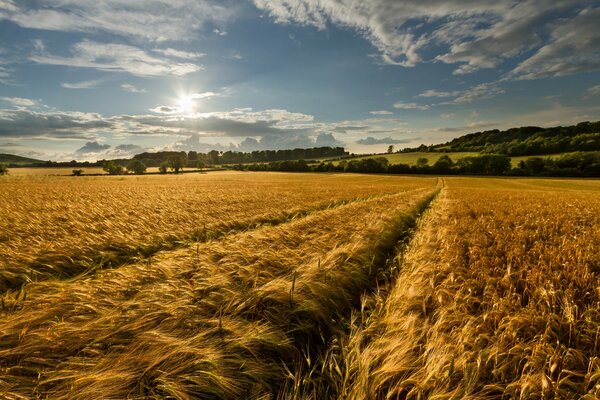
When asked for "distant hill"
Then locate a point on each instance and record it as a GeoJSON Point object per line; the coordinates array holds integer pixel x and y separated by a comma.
{"type": "Point", "coordinates": [525, 141]}
{"type": "Point", "coordinates": [12, 159]}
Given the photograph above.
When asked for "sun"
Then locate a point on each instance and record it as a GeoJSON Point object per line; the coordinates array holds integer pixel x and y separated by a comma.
{"type": "Point", "coordinates": [185, 104]}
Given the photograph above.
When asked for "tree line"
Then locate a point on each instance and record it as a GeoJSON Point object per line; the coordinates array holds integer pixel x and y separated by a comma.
{"type": "Point", "coordinates": [215, 157]}
{"type": "Point", "coordinates": [568, 165]}
{"type": "Point", "coordinates": [524, 141]}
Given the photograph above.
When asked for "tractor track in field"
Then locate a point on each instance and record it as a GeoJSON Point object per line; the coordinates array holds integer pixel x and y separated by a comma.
{"type": "Point", "coordinates": [322, 384]}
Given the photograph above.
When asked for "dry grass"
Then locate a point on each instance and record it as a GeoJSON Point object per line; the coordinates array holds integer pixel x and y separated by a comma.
{"type": "Point", "coordinates": [221, 319]}
{"type": "Point", "coordinates": [498, 297]}
{"type": "Point", "coordinates": [57, 227]}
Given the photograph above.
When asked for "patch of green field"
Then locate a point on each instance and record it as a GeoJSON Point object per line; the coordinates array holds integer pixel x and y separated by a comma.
{"type": "Point", "coordinates": [516, 160]}
{"type": "Point", "coordinates": [411, 158]}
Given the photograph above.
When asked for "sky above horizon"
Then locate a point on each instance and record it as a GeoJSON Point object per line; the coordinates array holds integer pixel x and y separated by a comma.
{"type": "Point", "coordinates": [94, 79]}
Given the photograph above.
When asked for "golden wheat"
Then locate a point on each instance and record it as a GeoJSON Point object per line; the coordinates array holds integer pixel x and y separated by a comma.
{"type": "Point", "coordinates": [498, 297]}
{"type": "Point", "coordinates": [219, 319]}
{"type": "Point", "coordinates": [63, 226]}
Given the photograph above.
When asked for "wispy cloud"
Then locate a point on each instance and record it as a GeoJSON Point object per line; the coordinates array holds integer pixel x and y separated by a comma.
{"type": "Point", "coordinates": [436, 93]}
{"type": "Point", "coordinates": [478, 92]}
{"type": "Point", "coordinates": [18, 101]}
{"type": "Point", "coordinates": [381, 112]}
{"type": "Point", "coordinates": [411, 106]}
{"type": "Point", "coordinates": [152, 20]}
{"type": "Point", "coordinates": [574, 47]}
{"type": "Point", "coordinates": [204, 95]}
{"type": "Point", "coordinates": [81, 85]}
{"type": "Point", "coordinates": [128, 87]}
{"type": "Point", "coordinates": [185, 55]}
{"type": "Point", "coordinates": [117, 58]}
{"type": "Point", "coordinates": [475, 35]}
{"type": "Point", "coordinates": [593, 91]}
{"type": "Point", "coordinates": [92, 147]}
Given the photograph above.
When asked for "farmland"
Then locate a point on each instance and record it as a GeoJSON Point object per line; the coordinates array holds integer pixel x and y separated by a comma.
{"type": "Point", "coordinates": [412, 157]}
{"type": "Point", "coordinates": [299, 286]}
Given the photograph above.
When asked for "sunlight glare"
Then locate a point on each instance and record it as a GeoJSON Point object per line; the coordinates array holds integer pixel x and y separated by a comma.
{"type": "Point", "coordinates": [186, 104]}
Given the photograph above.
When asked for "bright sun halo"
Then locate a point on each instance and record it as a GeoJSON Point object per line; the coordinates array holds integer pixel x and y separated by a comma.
{"type": "Point", "coordinates": [186, 104]}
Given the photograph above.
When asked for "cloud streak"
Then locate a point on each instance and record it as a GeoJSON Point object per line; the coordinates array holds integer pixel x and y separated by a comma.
{"type": "Point", "coordinates": [81, 85]}
{"type": "Point", "coordinates": [149, 20]}
{"type": "Point", "coordinates": [116, 58]}
{"type": "Point", "coordinates": [473, 34]}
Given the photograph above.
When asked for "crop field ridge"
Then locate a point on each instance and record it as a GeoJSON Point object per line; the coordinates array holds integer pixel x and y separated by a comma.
{"type": "Point", "coordinates": [220, 319]}
{"type": "Point", "coordinates": [322, 372]}
{"type": "Point", "coordinates": [13, 277]}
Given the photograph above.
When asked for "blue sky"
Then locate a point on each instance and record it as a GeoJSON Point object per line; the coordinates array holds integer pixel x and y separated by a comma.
{"type": "Point", "coordinates": [92, 79]}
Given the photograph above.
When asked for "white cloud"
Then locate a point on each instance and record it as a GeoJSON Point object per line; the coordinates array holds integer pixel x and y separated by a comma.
{"type": "Point", "coordinates": [7, 6]}
{"type": "Point", "coordinates": [152, 20]}
{"type": "Point", "coordinates": [574, 47]}
{"type": "Point", "coordinates": [117, 58]}
{"type": "Point", "coordinates": [381, 112]}
{"type": "Point", "coordinates": [92, 147]}
{"type": "Point", "coordinates": [128, 87]}
{"type": "Point", "coordinates": [436, 93]}
{"type": "Point", "coordinates": [205, 95]}
{"type": "Point", "coordinates": [593, 91]}
{"type": "Point", "coordinates": [234, 55]}
{"type": "Point", "coordinates": [219, 32]}
{"type": "Point", "coordinates": [18, 101]}
{"type": "Point", "coordinates": [81, 85]}
{"type": "Point", "coordinates": [186, 55]}
{"type": "Point", "coordinates": [411, 106]}
{"type": "Point", "coordinates": [4, 72]}
{"type": "Point", "coordinates": [166, 110]}
{"type": "Point", "coordinates": [475, 34]}
{"type": "Point", "coordinates": [275, 115]}
{"type": "Point", "coordinates": [25, 123]}
{"type": "Point", "coordinates": [478, 92]}
{"type": "Point", "coordinates": [327, 139]}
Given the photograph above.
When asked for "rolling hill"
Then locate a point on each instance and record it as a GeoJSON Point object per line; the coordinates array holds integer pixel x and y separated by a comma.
{"type": "Point", "coordinates": [12, 159]}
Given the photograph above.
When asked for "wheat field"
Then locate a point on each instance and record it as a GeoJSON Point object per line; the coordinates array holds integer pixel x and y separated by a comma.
{"type": "Point", "coordinates": [54, 226]}
{"type": "Point", "coordinates": [233, 285]}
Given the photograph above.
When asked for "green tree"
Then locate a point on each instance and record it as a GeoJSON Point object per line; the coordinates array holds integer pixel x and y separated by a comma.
{"type": "Point", "coordinates": [136, 166]}
{"type": "Point", "coordinates": [163, 168]}
{"type": "Point", "coordinates": [77, 172]}
{"type": "Point", "coordinates": [3, 169]}
{"type": "Point", "coordinates": [177, 163]}
{"type": "Point", "coordinates": [213, 157]}
{"type": "Point", "coordinates": [422, 162]}
{"type": "Point", "coordinates": [443, 165]}
{"type": "Point", "coordinates": [390, 149]}
{"type": "Point", "coordinates": [200, 164]}
{"type": "Point", "coordinates": [113, 169]}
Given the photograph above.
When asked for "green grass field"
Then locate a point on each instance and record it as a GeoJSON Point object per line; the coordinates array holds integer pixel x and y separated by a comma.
{"type": "Point", "coordinates": [411, 158]}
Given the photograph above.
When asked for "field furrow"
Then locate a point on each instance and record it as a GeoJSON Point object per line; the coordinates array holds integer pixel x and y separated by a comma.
{"type": "Point", "coordinates": [498, 297]}
{"type": "Point", "coordinates": [102, 222]}
{"type": "Point", "coordinates": [219, 319]}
